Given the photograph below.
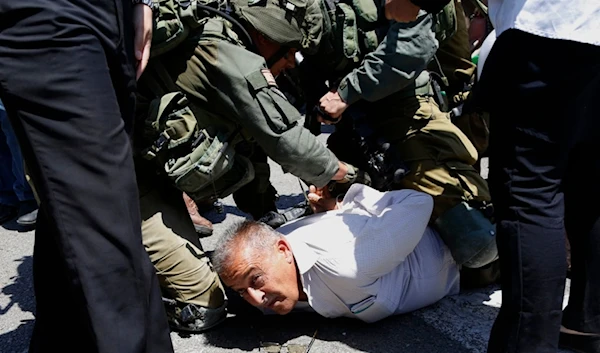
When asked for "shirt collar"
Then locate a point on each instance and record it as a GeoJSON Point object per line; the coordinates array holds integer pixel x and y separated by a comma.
{"type": "Point", "coordinates": [303, 254]}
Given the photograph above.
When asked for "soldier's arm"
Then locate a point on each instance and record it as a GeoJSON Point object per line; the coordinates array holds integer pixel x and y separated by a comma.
{"type": "Point", "coordinates": [263, 111]}
{"type": "Point", "coordinates": [402, 55]}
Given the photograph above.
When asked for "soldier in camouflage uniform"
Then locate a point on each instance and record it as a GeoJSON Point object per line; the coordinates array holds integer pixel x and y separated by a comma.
{"type": "Point", "coordinates": [384, 99]}
{"type": "Point", "coordinates": [218, 75]}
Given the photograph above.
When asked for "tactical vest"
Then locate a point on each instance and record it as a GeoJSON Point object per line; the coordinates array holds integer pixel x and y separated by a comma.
{"type": "Point", "coordinates": [358, 26]}
{"type": "Point", "coordinates": [176, 19]}
{"type": "Point", "coordinates": [198, 159]}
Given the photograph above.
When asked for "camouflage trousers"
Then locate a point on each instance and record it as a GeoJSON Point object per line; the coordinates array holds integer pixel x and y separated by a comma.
{"type": "Point", "coordinates": [439, 156]}
{"type": "Point", "coordinates": [183, 269]}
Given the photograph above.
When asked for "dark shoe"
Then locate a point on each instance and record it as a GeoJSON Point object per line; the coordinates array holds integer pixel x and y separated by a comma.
{"type": "Point", "coordinates": [7, 213]}
{"type": "Point", "coordinates": [579, 343]}
{"type": "Point", "coordinates": [193, 318]}
{"type": "Point", "coordinates": [28, 219]}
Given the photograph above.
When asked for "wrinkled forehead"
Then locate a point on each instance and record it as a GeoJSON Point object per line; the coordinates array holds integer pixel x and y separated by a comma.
{"type": "Point", "coordinates": [242, 263]}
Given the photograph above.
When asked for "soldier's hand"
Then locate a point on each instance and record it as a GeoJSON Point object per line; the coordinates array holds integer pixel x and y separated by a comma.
{"type": "Point", "coordinates": [321, 200]}
{"type": "Point", "coordinates": [142, 26]}
{"type": "Point", "coordinates": [333, 105]}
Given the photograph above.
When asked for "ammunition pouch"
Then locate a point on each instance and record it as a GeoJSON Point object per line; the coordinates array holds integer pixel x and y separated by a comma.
{"type": "Point", "coordinates": [356, 27]}
{"type": "Point", "coordinates": [175, 20]}
{"type": "Point", "coordinates": [445, 23]}
{"type": "Point", "coordinates": [199, 161]}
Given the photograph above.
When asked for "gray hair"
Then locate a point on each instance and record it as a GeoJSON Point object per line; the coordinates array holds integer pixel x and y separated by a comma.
{"type": "Point", "coordinates": [254, 237]}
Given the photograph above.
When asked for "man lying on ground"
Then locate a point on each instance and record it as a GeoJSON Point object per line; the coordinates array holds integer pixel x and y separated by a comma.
{"type": "Point", "coordinates": [370, 256]}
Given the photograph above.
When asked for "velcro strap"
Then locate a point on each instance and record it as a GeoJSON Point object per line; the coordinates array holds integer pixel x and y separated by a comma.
{"type": "Point", "coordinates": [261, 79]}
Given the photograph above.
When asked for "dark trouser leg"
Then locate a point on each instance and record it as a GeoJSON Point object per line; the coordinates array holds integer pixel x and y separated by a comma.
{"type": "Point", "coordinates": [258, 196]}
{"type": "Point", "coordinates": [536, 128]}
{"type": "Point", "coordinates": [7, 179]}
{"type": "Point", "coordinates": [582, 221]}
{"type": "Point", "coordinates": [21, 187]}
{"type": "Point", "coordinates": [91, 273]}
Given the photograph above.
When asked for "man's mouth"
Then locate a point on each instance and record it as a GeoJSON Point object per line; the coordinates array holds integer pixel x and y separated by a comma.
{"type": "Point", "coordinates": [271, 302]}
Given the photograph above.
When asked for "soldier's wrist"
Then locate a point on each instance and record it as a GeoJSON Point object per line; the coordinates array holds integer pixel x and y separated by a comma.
{"type": "Point", "coordinates": [347, 93]}
{"type": "Point", "coordinates": [350, 174]}
{"type": "Point", "coordinates": [150, 3]}
{"type": "Point", "coordinates": [341, 172]}
{"type": "Point", "coordinates": [353, 175]}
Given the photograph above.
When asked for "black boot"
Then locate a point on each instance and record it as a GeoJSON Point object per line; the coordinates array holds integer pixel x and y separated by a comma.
{"type": "Point", "coordinates": [28, 211]}
{"type": "Point", "coordinates": [191, 317]}
{"type": "Point", "coordinates": [7, 213]}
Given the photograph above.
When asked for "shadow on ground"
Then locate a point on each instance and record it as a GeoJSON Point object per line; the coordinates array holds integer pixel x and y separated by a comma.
{"type": "Point", "coordinates": [20, 293]}
{"type": "Point", "coordinates": [403, 333]}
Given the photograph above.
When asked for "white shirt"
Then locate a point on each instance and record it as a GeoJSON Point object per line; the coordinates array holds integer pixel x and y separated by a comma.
{"type": "Point", "coordinates": [576, 20]}
{"type": "Point", "coordinates": [374, 257]}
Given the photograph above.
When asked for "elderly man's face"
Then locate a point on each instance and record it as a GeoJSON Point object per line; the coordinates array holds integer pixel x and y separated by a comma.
{"type": "Point", "coordinates": [267, 279]}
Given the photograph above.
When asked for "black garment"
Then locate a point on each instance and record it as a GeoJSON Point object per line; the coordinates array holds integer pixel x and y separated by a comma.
{"type": "Point", "coordinates": [67, 81]}
{"type": "Point", "coordinates": [431, 6]}
{"type": "Point", "coordinates": [258, 196]}
{"type": "Point", "coordinates": [543, 98]}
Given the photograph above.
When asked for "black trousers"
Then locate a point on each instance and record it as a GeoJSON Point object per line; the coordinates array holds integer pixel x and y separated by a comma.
{"type": "Point", "coordinates": [543, 97]}
{"type": "Point", "coordinates": [67, 81]}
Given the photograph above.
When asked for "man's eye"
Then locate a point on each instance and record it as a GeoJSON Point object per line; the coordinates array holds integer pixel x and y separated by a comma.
{"type": "Point", "coordinates": [258, 281]}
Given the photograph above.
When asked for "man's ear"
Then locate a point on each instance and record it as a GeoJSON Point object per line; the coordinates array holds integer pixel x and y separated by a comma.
{"type": "Point", "coordinates": [285, 249]}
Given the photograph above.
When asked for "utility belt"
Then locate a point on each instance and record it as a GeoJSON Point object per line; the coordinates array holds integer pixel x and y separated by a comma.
{"type": "Point", "coordinates": [424, 91]}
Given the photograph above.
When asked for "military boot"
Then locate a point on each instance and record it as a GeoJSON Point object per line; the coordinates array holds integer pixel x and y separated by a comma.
{"type": "Point", "coordinates": [202, 225]}
{"type": "Point", "coordinates": [191, 317]}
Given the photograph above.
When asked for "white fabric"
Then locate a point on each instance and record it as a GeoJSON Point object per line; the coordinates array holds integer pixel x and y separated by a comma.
{"type": "Point", "coordinates": [374, 257]}
{"type": "Point", "coordinates": [576, 20]}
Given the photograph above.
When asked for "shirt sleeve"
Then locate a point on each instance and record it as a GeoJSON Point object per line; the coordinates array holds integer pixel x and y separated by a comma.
{"type": "Point", "coordinates": [251, 97]}
{"type": "Point", "coordinates": [396, 224]}
{"type": "Point", "coordinates": [398, 60]}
